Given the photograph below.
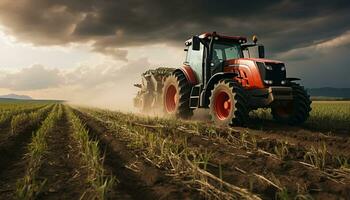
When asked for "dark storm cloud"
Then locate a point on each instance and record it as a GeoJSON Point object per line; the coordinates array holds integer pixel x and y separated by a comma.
{"type": "Point", "coordinates": [285, 27]}
{"type": "Point", "coordinates": [118, 23]}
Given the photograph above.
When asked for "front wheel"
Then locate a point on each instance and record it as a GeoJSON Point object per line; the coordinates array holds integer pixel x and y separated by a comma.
{"type": "Point", "coordinates": [228, 104]}
{"type": "Point", "coordinates": [293, 112]}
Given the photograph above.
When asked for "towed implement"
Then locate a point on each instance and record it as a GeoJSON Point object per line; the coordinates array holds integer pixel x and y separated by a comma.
{"type": "Point", "coordinates": [148, 98]}
{"type": "Point", "coordinates": [230, 77]}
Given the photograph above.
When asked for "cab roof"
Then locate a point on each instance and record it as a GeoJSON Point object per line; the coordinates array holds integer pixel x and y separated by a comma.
{"type": "Point", "coordinates": [237, 38]}
{"type": "Point", "coordinates": [207, 35]}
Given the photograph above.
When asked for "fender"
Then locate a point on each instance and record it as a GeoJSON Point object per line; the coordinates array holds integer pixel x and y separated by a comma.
{"type": "Point", "coordinates": [291, 80]}
{"type": "Point", "coordinates": [189, 74]}
{"type": "Point", "coordinates": [211, 83]}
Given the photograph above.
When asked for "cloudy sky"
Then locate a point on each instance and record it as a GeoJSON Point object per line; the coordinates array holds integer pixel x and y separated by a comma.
{"type": "Point", "coordinates": [91, 51]}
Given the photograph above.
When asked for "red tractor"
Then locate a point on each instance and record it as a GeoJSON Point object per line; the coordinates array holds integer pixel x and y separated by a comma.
{"type": "Point", "coordinates": [231, 77]}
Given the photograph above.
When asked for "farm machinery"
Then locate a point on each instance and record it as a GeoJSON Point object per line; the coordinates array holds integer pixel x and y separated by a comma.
{"type": "Point", "coordinates": [230, 77]}
{"type": "Point", "coordinates": [149, 96]}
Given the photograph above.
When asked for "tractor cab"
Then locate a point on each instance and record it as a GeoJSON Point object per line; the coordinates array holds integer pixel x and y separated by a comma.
{"type": "Point", "coordinates": [212, 52]}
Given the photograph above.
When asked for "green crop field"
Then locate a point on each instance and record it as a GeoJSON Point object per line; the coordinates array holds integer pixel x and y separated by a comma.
{"type": "Point", "coordinates": [330, 115]}
{"type": "Point", "coordinates": [50, 149]}
{"type": "Point", "coordinates": [327, 116]}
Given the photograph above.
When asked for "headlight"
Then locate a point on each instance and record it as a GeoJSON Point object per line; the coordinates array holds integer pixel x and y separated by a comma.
{"type": "Point", "coordinates": [283, 68]}
{"type": "Point", "coordinates": [283, 82]}
{"type": "Point", "coordinates": [268, 67]}
{"type": "Point", "coordinates": [268, 82]}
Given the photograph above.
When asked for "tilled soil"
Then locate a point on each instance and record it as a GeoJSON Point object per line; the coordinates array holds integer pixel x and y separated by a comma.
{"type": "Point", "coordinates": [242, 166]}
{"type": "Point", "coordinates": [239, 166]}
{"type": "Point", "coordinates": [62, 168]}
{"type": "Point", "coordinates": [244, 157]}
{"type": "Point", "coordinates": [137, 178]}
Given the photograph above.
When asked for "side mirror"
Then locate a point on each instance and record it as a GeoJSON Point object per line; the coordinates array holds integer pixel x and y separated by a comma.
{"type": "Point", "coordinates": [261, 50]}
{"type": "Point", "coordinates": [196, 43]}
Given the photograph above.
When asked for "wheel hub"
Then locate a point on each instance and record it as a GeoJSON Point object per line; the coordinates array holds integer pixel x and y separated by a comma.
{"type": "Point", "coordinates": [227, 104]}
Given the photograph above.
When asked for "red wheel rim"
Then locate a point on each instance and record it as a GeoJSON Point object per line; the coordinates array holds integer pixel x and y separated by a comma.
{"type": "Point", "coordinates": [222, 105]}
{"type": "Point", "coordinates": [170, 99]}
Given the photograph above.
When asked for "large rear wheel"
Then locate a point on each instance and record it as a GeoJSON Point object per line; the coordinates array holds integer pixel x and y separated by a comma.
{"type": "Point", "coordinates": [293, 112]}
{"type": "Point", "coordinates": [176, 96]}
{"type": "Point", "coordinates": [228, 104]}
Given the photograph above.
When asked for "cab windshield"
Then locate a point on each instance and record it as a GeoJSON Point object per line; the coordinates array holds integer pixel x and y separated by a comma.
{"type": "Point", "coordinates": [225, 51]}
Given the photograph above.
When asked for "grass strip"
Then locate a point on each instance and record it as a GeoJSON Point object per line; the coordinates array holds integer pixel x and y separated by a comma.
{"type": "Point", "coordinates": [100, 183]}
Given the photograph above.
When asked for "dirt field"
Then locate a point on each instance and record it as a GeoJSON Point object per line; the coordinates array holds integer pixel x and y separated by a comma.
{"type": "Point", "coordinates": [55, 151]}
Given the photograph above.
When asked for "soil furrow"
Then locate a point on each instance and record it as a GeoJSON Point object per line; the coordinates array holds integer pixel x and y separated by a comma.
{"type": "Point", "coordinates": [138, 178]}
{"type": "Point", "coordinates": [62, 169]}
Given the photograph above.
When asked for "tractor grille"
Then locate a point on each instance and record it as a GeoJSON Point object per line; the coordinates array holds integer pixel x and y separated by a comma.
{"type": "Point", "coordinates": [274, 72]}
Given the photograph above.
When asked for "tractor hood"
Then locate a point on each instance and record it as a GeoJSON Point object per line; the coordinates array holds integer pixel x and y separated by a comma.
{"type": "Point", "coordinates": [259, 73]}
{"type": "Point", "coordinates": [262, 60]}
{"type": "Point", "coordinates": [250, 61]}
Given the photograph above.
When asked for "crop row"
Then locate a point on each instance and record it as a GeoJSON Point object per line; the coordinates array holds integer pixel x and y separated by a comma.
{"type": "Point", "coordinates": [23, 120]}
{"type": "Point", "coordinates": [5, 116]}
{"type": "Point", "coordinates": [29, 186]}
{"type": "Point", "coordinates": [100, 183]}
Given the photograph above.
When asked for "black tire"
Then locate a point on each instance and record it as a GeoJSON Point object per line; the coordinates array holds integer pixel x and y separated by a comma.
{"type": "Point", "coordinates": [234, 109]}
{"type": "Point", "coordinates": [181, 106]}
{"type": "Point", "coordinates": [293, 112]}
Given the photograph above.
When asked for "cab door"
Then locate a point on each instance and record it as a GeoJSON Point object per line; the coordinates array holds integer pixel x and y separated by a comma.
{"type": "Point", "coordinates": [195, 60]}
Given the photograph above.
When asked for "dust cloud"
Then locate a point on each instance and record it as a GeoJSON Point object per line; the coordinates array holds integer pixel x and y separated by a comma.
{"type": "Point", "coordinates": [119, 97]}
